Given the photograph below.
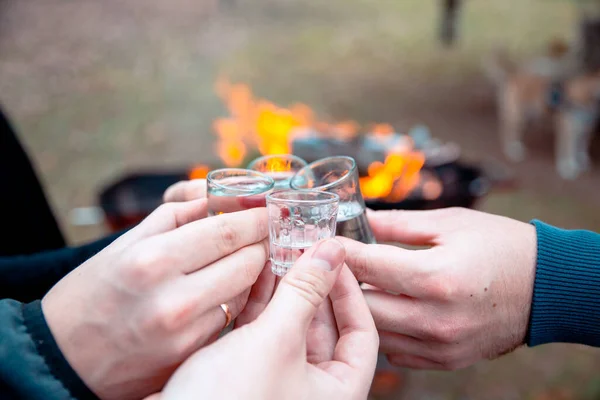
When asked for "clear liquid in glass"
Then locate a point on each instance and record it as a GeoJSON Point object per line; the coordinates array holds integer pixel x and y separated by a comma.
{"type": "Point", "coordinates": [294, 229]}
{"type": "Point", "coordinates": [352, 223]}
{"type": "Point", "coordinates": [282, 179]}
{"type": "Point", "coordinates": [223, 200]}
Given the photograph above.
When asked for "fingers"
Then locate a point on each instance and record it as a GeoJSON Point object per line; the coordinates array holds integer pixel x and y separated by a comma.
{"type": "Point", "coordinates": [260, 295]}
{"type": "Point", "coordinates": [224, 279]}
{"type": "Point", "coordinates": [322, 335]}
{"type": "Point", "coordinates": [165, 218]}
{"type": "Point", "coordinates": [414, 362]}
{"type": "Point", "coordinates": [398, 314]}
{"type": "Point", "coordinates": [388, 267]}
{"type": "Point", "coordinates": [227, 204]}
{"type": "Point", "coordinates": [185, 191]}
{"type": "Point", "coordinates": [358, 343]}
{"type": "Point", "coordinates": [394, 343]}
{"type": "Point", "coordinates": [201, 330]}
{"type": "Point", "coordinates": [200, 243]}
{"type": "Point", "coordinates": [303, 290]}
{"type": "Point", "coordinates": [409, 227]}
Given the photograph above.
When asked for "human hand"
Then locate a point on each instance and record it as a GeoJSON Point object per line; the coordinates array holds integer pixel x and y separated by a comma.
{"type": "Point", "coordinates": [465, 298]}
{"type": "Point", "coordinates": [185, 191]}
{"type": "Point", "coordinates": [280, 354]}
{"type": "Point", "coordinates": [127, 317]}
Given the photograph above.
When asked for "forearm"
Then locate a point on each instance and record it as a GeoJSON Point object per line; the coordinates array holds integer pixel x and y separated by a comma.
{"type": "Point", "coordinates": [27, 278]}
{"type": "Point", "coordinates": [566, 296]}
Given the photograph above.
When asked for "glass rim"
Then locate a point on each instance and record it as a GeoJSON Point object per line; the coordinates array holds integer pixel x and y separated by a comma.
{"type": "Point", "coordinates": [323, 161]}
{"type": "Point", "coordinates": [326, 197]}
{"type": "Point", "coordinates": [272, 156]}
{"type": "Point", "coordinates": [238, 172]}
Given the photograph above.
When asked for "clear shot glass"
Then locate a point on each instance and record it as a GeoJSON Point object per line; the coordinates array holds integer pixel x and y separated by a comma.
{"type": "Point", "coordinates": [298, 220]}
{"type": "Point", "coordinates": [235, 189]}
{"type": "Point", "coordinates": [280, 167]}
{"type": "Point", "coordinates": [339, 175]}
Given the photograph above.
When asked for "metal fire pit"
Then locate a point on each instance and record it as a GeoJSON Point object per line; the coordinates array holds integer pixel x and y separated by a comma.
{"type": "Point", "coordinates": [131, 198]}
{"type": "Point", "coordinates": [463, 185]}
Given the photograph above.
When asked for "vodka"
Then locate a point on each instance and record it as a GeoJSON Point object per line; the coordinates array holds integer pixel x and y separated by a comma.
{"type": "Point", "coordinates": [352, 223]}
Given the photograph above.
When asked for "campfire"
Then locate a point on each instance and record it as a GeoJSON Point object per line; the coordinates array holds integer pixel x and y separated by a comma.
{"type": "Point", "coordinates": [397, 171]}
{"type": "Point", "coordinates": [391, 164]}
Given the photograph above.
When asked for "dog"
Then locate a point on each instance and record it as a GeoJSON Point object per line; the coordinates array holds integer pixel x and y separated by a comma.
{"type": "Point", "coordinates": [547, 87]}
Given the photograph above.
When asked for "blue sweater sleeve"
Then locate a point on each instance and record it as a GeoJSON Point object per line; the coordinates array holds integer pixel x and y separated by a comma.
{"type": "Point", "coordinates": [566, 294]}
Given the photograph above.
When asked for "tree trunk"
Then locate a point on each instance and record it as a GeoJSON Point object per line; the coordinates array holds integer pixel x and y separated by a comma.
{"type": "Point", "coordinates": [449, 21]}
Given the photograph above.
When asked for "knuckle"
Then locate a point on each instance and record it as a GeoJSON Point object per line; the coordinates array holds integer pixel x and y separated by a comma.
{"type": "Point", "coordinates": [445, 332]}
{"type": "Point", "coordinates": [161, 317]}
{"type": "Point", "coordinates": [444, 283]}
{"type": "Point", "coordinates": [360, 266]}
{"type": "Point", "coordinates": [139, 270]}
{"type": "Point", "coordinates": [309, 284]}
{"type": "Point", "coordinates": [441, 288]}
{"type": "Point", "coordinates": [262, 226]}
{"type": "Point", "coordinates": [166, 209]}
{"type": "Point", "coordinates": [227, 237]}
{"type": "Point", "coordinates": [256, 258]}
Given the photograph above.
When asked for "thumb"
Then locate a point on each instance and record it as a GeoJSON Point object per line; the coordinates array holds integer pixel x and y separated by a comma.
{"type": "Point", "coordinates": [303, 289]}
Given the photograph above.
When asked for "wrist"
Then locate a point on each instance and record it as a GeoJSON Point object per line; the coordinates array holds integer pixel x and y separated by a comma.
{"type": "Point", "coordinates": [47, 347]}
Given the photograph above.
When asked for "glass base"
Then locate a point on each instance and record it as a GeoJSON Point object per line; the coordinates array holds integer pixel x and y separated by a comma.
{"type": "Point", "coordinates": [278, 269]}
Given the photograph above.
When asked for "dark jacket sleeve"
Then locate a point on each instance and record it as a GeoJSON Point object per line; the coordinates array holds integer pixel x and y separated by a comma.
{"type": "Point", "coordinates": [26, 213]}
{"type": "Point", "coordinates": [566, 293]}
{"type": "Point", "coordinates": [31, 364]}
{"type": "Point", "coordinates": [27, 278]}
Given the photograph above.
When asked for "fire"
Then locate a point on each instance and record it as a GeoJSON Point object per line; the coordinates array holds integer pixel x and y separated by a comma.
{"type": "Point", "coordinates": [260, 124]}
{"type": "Point", "coordinates": [394, 179]}
{"type": "Point", "coordinates": [199, 172]}
{"type": "Point", "coordinates": [278, 164]}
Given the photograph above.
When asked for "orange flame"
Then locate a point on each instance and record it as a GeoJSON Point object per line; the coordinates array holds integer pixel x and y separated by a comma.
{"type": "Point", "coordinates": [394, 179]}
{"type": "Point", "coordinates": [199, 171]}
{"type": "Point", "coordinates": [260, 124]}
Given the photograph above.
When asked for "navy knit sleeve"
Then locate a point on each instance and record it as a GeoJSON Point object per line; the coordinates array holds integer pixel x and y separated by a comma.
{"type": "Point", "coordinates": [566, 294]}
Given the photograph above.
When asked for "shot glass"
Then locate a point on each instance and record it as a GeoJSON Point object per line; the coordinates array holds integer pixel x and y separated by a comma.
{"type": "Point", "coordinates": [298, 220]}
{"type": "Point", "coordinates": [339, 175]}
{"type": "Point", "coordinates": [235, 189]}
{"type": "Point", "coordinates": [280, 167]}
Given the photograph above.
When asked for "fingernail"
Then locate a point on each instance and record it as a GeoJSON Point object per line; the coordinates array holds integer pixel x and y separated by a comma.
{"type": "Point", "coordinates": [328, 255]}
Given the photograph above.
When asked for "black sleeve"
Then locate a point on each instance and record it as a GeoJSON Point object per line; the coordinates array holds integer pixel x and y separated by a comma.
{"type": "Point", "coordinates": [31, 364]}
{"type": "Point", "coordinates": [26, 214]}
{"type": "Point", "coordinates": [27, 278]}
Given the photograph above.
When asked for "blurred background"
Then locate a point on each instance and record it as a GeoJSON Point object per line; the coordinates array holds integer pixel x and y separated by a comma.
{"type": "Point", "coordinates": [97, 89]}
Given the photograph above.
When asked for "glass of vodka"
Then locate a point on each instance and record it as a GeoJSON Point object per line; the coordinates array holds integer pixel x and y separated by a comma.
{"type": "Point", "coordinates": [235, 189]}
{"type": "Point", "coordinates": [280, 167]}
{"type": "Point", "coordinates": [298, 220]}
{"type": "Point", "coordinates": [339, 175]}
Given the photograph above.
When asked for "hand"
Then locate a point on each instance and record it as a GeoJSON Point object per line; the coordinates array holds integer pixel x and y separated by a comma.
{"type": "Point", "coordinates": [288, 352]}
{"type": "Point", "coordinates": [127, 317]}
{"type": "Point", "coordinates": [465, 298]}
{"type": "Point", "coordinates": [185, 191]}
